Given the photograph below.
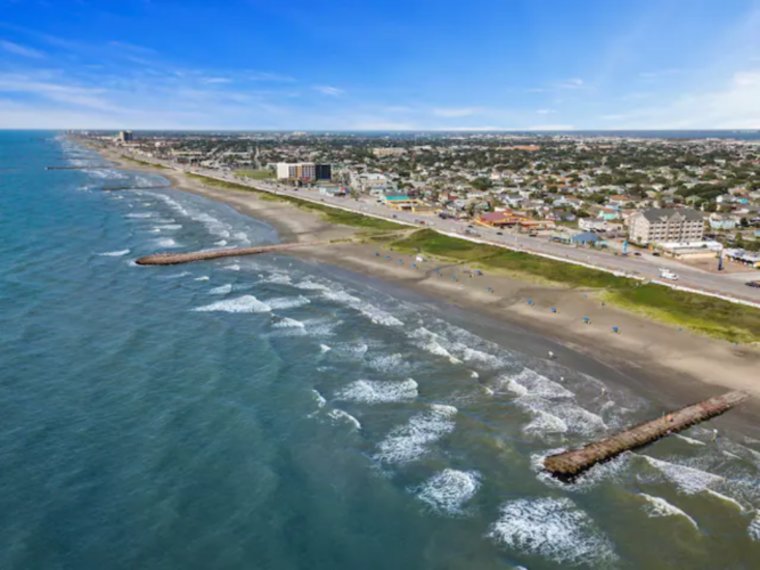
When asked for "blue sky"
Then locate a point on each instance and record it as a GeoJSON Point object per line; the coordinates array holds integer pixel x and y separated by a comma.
{"type": "Point", "coordinates": [414, 64]}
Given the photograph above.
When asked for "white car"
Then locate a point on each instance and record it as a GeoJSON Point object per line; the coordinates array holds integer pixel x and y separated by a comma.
{"type": "Point", "coordinates": [668, 274]}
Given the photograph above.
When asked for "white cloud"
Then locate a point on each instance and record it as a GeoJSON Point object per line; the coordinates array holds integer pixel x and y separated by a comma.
{"type": "Point", "coordinates": [735, 105]}
{"type": "Point", "coordinates": [572, 83]}
{"type": "Point", "coordinates": [18, 49]}
{"type": "Point", "coordinates": [451, 112]}
{"type": "Point", "coordinates": [545, 111]}
{"type": "Point", "coordinates": [329, 90]}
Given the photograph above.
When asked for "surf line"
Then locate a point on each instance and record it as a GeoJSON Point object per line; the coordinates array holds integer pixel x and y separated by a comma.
{"type": "Point", "coordinates": [566, 466]}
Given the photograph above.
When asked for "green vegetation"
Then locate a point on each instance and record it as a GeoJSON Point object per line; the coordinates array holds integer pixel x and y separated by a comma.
{"type": "Point", "coordinates": [143, 163]}
{"type": "Point", "coordinates": [714, 317]}
{"type": "Point", "coordinates": [707, 315]}
{"type": "Point", "coordinates": [263, 174]}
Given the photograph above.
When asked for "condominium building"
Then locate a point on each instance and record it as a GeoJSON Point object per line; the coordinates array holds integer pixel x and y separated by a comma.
{"type": "Point", "coordinates": [304, 171]}
{"type": "Point", "coordinates": [658, 225]}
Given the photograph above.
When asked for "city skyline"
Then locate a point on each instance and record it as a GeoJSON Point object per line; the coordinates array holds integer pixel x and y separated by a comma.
{"type": "Point", "coordinates": [381, 66]}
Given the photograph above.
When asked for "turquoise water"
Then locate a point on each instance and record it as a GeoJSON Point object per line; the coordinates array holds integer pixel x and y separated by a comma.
{"type": "Point", "coordinates": [273, 413]}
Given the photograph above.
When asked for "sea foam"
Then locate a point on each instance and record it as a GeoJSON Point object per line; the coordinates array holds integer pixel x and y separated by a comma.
{"type": "Point", "coordinates": [244, 304]}
{"type": "Point", "coordinates": [410, 441]}
{"type": "Point", "coordinates": [378, 391]}
{"type": "Point", "coordinates": [449, 490]}
{"type": "Point", "coordinates": [552, 528]}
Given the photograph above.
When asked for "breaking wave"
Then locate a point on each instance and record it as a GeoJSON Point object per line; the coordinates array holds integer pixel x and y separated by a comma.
{"type": "Point", "coordinates": [378, 391]}
{"type": "Point", "coordinates": [448, 491]}
{"type": "Point", "coordinates": [244, 304]}
{"type": "Point", "coordinates": [659, 507]}
{"type": "Point", "coordinates": [552, 528]}
{"type": "Point", "coordinates": [410, 441]}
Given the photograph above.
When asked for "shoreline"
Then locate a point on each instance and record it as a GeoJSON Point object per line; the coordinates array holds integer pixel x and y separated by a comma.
{"type": "Point", "coordinates": [669, 366]}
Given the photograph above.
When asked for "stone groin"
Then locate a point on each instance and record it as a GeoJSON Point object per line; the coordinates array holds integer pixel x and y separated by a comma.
{"type": "Point", "coordinates": [569, 464]}
{"type": "Point", "coordinates": [188, 257]}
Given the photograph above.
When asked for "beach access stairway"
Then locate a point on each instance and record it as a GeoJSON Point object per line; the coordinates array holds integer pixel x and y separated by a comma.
{"type": "Point", "coordinates": [569, 464]}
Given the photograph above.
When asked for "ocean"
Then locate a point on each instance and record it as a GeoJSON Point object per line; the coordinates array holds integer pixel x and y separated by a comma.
{"type": "Point", "coordinates": [272, 413]}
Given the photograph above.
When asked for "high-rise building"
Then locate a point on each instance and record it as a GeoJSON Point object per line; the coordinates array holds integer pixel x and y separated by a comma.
{"type": "Point", "coordinates": [659, 225]}
{"type": "Point", "coordinates": [125, 136]}
{"type": "Point", "coordinates": [303, 171]}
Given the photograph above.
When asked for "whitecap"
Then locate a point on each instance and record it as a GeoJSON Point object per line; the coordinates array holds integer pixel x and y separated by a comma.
{"type": "Point", "coordinates": [689, 440]}
{"type": "Point", "coordinates": [378, 391]}
{"type": "Point", "coordinates": [530, 382]}
{"type": "Point", "coordinates": [324, 348]}
{"type": "Point", "coordinates": [409, 441]}
{"type": "Point", "coordinates": [288, 323]}
{"type": "Point", "coordinates": [166, 242]}
{"type": "Point", "coordinates": [202, 278]}
{"type": "Point", "coordinates": [659, 507]}
{"type": "Point", "coordinates": [140, 215]}
{"type": "Point", "coordinates": [552, 528]}
{"type": "Point", "coordinates": [221, 290]}
{"type": "Point", "coordinates": [321, 402]}
{"type": "Point", "coordinates": [545, 423]}
{"type": "Point", "coordinates": [689, 480]}
{"type": "Point", "coordinates": [449, 490]}
{"type": "Point", "coordinates": [343, 416]}
{"type": "Point", "coordinates": [244, 304]}
{"type": "Point", "coordinates": [117, 253]}
{"type": "Point", "coordinates": [233, 267]}
{"type": "Point", "coordinates": [288, 302]}
{"type": "Point", "coordinates": [725, 499]}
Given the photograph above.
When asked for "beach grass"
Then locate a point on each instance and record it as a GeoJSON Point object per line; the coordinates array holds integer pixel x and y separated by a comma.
{"type": "Point", "coordinates": [707, 315]}
{"type": "Point", "coordinates": [143, 162]}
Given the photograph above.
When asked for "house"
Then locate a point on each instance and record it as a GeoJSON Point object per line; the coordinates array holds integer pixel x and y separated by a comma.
{"type": "Point", "coordinates": [587, 238]}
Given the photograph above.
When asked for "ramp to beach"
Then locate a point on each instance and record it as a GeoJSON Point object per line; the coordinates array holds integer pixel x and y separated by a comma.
{"type": "Point", "coordinates": [169, 258]}
{"type": "Point", "coordinates": [569, 464]}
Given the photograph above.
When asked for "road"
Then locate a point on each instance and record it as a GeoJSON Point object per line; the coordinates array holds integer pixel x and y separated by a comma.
{"type": "Point", "coordinates": [646, 266]}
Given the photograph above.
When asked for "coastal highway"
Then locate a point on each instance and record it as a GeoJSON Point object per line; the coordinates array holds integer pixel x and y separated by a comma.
{"type": "Point", "coordinates": [647, 267]}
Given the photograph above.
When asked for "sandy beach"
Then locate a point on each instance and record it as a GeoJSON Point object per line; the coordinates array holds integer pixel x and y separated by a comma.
{"type": "Point", "coordinates": [672, 365]}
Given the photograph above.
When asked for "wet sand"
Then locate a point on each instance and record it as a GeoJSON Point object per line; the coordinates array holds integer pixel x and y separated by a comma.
{"type": "Point", "coordinates": [664, 363]}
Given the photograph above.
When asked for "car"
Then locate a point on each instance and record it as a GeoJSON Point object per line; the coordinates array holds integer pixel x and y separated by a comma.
{"type": "Point", "coordinates": [395, 216]}
{"type": "Point", "coordinates": [755, 284]}
{"type": "Point", "coordinates": [668, 274]}
{"type": "Point", "coordinates": [499, 233]}
{"type": "Point", "coordinates": [656, 253]}
{"type": "Point", "coordinates": [637, 253]}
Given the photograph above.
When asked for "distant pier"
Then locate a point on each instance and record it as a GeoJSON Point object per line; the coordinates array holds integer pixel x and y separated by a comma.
{"type": "Point", "coordinates": [569, 464]}
{"type": "Point", "coordinates": [188, 257]}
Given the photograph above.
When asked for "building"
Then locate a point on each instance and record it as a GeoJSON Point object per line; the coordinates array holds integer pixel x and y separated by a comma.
{"type": "Point", "coordinates": [125, 136]}
{"type": "Point", "coordinates": [382, 152]}
{"type": "Point", "coordinates": [691, 250]}
{"type": "Point", "coordinates": [587, 239]}
{"type": "Point", "coordinates": [657, 225]}
{"type": "Point", "coordinates": [303, 171]}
